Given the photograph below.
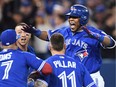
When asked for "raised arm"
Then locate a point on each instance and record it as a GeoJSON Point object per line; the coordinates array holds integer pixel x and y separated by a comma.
{"type": "Point", "coordinates": [37, 32]}
{"type": "Point", "coordinates": [106, 40]}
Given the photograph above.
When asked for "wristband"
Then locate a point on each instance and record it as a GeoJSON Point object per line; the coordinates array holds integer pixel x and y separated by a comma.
{"type": "Point", "coordinates": [112, 42]}
{"type": "Point", "coordinates": [37, 33]}
{"type": "Point", "coordinates": [98, 37]}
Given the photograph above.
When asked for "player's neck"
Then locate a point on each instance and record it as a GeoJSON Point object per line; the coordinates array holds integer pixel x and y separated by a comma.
{"type": "Point", "coordinates": [79, 29]}
{"type": "Point", "coordinates": [54, 52]}
{"type": "Point", "coordinates": [22, 47]}
{"type": "Point", "coordinates": [13, 46]}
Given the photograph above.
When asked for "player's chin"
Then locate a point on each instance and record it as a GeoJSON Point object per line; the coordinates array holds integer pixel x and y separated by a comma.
{"type": "Point", "coordinates": [23, 43]}
{"type": "Point", "coordinates": [73, 29]}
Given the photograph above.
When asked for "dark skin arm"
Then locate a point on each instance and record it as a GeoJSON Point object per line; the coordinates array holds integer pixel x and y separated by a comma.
{"type": "Point", "coordinates": [43, 35]}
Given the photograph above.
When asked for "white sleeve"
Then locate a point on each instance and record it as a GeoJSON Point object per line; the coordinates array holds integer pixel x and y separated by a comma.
{"type": "Point", "coordinates": [109, 47]}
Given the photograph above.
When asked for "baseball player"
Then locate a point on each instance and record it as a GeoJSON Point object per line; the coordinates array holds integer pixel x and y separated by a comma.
{"type": "Point", "coordinates": [14, 64]}
{"type": "Point", "coordinates": [23, 41]}
{"type": "Point", "coordinates": [83, 42]}
{"type": "Point", "coordinates": [23, 45]}
{"type": "Point", "coordinates": [67, 72]}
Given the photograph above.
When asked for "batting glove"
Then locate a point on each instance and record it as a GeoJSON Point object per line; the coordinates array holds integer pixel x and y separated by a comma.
{"type": "Point", "coordinates": [93, 35]}
{"type": "Point", "coordinates": [32, 30]}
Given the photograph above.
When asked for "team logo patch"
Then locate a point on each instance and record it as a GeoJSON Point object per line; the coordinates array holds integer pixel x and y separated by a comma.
{"type": "Point", "coordinates": [82, 54]}
{"type": "Point", "coordinates": [73, 9]}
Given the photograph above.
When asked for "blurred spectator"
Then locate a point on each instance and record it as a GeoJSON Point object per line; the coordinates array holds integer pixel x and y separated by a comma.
{"type": "Point", "coordinates": [40, 45]}
{"type": "Point", "coordinates": [27, 11]}
{"type": "Point", "coordinates": [91, 4]}
{"type": "Point", "coordinates": [1, 14]}
{"type": "Point", "coordinates": [1, 8]}
{"type": "Point", "coordinates": [66, 5]}
{"type": "Point", "coordinates": [99, 18]}
{"type": "Point", "coordinates": [110, 29]}
{"type": "Point", "coordinates": [59, 19]}
{"type": "Point", "coordinates": [49, 6]}
{"type": "Point", "coordinates": [17, 17]}
{"type": "Point", "coordinates": [99, 2]}
{"type": "Point", "coordinates": [83, 2]}
{"type": "Point", "coordinates": [7, 8]}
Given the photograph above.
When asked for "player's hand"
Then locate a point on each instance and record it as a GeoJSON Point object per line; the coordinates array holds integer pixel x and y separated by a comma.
{"type": "Point", "coordinates": [31, 29]}
{"type": "Point", "coordinates": [40, 83]}
{"type": "Point", "coordinates": [34, 75]}
{"type": "Point", "coordinates": [28, 28]}
{"type": "Point", "coordinates": [93, 35]}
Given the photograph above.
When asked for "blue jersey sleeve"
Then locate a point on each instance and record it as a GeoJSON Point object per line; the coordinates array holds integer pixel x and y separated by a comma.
{"type": "Point", "coordinates": [31, 50]}
{"type": "Point", "coordinates": [47, 78]}
{"type": "Point", "coordinates": [112, 41]}
{"type": "Point", "coordinates": [87, 80]}
{"type": "Point", "coordinates": [34, 62]}
{"type": "Point", "coordinates": [50, 32]}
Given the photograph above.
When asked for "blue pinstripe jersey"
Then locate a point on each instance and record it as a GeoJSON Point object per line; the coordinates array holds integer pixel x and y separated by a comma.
{"type": "Point", "coordinates": [81, 47]}
{"type": "Point", "coordinates": [14, 66]}
{"type": "Point", "coordinates": [68, 73]}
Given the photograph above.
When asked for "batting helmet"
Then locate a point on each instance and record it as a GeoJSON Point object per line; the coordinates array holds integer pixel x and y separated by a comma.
{"type": "Point", "coordinates": [81, 12]}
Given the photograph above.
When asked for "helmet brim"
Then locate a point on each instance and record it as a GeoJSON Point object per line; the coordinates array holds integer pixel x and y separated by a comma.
{"type": "Point", "coordinates": [72, 14]}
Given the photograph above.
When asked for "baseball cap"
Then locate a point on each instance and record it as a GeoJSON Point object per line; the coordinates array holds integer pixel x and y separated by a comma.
{"type": "Point", "coordinates": [8, 37]}
{"type": "Point", "coordinates": [26, 3]}
{"type": "Point", "coordinates": [100, 8]}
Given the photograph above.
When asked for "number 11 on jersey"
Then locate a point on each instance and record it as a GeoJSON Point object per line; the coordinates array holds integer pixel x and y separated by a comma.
{"type": "Point", "coordinates": [65, 77]}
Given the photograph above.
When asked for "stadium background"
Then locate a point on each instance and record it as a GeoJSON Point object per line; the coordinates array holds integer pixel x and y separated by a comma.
{"type": "Point", "coordinates": [49, 14]}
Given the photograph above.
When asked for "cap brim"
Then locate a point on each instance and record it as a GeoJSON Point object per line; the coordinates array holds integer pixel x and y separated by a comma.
{"type": "Point", "coordinates": [71, 14]}
{"type": "Point", "coordinates": [68, 14]}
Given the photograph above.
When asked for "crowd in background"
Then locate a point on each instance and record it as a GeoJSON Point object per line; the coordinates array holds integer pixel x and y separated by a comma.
{"type": "Point", "coordinates": [50, 14]}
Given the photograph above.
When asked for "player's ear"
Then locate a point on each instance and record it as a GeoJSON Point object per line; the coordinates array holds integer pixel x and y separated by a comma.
{"type": "Point", "coordinates": [64, 46]}
{"type": "Point", "coordinates": [49, 46]}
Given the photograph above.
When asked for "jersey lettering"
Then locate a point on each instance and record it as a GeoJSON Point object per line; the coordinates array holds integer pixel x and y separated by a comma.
{"type": "Point", "coordinates": [63, 64]}
{"type": "Point", "coordinates": [77, 43]}
{"type": "Point", "coordinates": [5, 56]}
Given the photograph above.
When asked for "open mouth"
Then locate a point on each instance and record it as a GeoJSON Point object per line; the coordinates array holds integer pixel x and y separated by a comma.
{"type": "Point", "coordinates": [72, 24]}
{"type": "Point", "coordinates": [23, 39]}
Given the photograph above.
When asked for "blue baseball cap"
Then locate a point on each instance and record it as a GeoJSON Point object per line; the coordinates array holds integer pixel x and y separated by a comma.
{"type": "Point", "coordinates": [26, 3]}
{"type": "Point", "coordinates": [100, 9]}
{"type": "Point", "coordinates": [8, 37]}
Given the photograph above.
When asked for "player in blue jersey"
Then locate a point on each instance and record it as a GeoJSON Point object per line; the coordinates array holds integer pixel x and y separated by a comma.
{"type": "Point", "coordinates": [14, 64]}
{"type": "Point", "coordinates": [23, 42]}
{"type": "Point", "coordinates": [23, 45]}
{"type": "Point", "coordinates": [66, 71]}
{"type": "Point", "coordinates": [83, 42]}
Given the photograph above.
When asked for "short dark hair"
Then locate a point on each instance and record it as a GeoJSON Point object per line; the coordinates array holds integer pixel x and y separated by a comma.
{"type": "Point", "coordinates": [21, 24]}
{"type": "Point", "coordinates": [57, 41]}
